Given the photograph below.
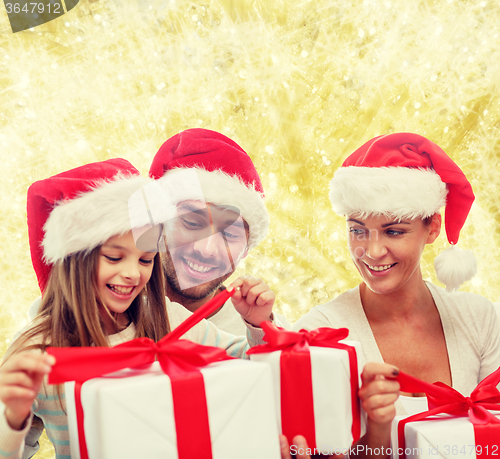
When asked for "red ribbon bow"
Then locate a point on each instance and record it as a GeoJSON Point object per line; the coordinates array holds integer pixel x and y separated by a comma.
{"type": "Point", "coordinates": [297, 407]}
{"type": "Point", "coordinates": [279, 338]}
{"type": "Point", "coordinates": [176, 357]}
{"type": "Point", "coordinates": [179, 359]}
{"type": "Point", "coordinates": [444, 399]}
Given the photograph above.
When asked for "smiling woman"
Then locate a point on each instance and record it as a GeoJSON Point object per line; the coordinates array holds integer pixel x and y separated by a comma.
{"type": "Point", "coordinates": [391, 190]}
{"type": "Point", "coordinates": [387, 251]}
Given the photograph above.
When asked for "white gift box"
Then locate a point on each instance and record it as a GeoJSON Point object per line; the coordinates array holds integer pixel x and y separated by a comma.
{"type": "Point", "coordinates": [331, 386]}
{"type": "Point", "coordinates": [129, 414]}
{"type": "Point", "coordinates": [443, 436]}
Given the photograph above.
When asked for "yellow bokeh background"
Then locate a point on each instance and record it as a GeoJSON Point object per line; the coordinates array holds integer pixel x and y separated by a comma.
{"type": "Point", "coordinates": [299, 84]}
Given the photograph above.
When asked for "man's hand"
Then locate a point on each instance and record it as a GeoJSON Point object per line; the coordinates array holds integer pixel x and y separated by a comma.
{"type": "Point", "coordinates": [300, 449]}
{"type": "Point", "coordinates": [253, 299]}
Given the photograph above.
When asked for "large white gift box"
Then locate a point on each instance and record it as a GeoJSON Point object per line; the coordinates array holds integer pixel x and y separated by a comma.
{"type": "Point", "coordinates": [129, 414]}
{"type": "Point", "coordinates": [332, 389]}
{"type": "Point", "coordinates": [443, 436]}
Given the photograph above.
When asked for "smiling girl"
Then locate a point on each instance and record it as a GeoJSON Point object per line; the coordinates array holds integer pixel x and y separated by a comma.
{"type": "Point", "coordinates": [391, 190]}
{"type": "Point", "coordinates": [102, 284]}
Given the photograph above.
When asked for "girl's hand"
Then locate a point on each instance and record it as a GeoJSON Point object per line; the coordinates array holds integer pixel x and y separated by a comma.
{"type": "Point", "coordinates": [21, 377]}
{"type": "Point", "coordinates": [253, 299]}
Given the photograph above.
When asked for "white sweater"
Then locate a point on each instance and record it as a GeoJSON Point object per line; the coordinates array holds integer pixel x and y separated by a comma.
{"type": "Point", "coordinates": [470, 326]}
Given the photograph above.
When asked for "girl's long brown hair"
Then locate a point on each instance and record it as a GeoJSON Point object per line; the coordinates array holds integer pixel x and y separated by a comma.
{"type": "Point", "coordinates": [70, 311]}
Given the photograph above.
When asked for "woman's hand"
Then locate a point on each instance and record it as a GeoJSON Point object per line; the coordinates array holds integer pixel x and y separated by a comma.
{"type": "Point", "coordinates": [253, 299]}
{"type": "Point", "coordinates": [378, 393]}
{"type": "Point", "coordinates": [21, 377]}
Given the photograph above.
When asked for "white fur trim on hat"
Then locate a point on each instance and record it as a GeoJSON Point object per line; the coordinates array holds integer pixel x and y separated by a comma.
{"type": "Point", "coordinates": [108, 209]}
{"type": "Point", "coordinates": [401, 191]}
{"type": "Point", "coordinates": [221, 189]}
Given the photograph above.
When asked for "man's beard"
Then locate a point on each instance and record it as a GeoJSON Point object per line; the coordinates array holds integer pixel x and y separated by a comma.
{"type": "Point", "coordinates": [191, 294]}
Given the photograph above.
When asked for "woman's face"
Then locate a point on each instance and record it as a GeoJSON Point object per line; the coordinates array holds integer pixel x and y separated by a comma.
{"type": "Point", "coordinates": [387, 251]}
{"type": "Point", "coordinates": [123, 272]}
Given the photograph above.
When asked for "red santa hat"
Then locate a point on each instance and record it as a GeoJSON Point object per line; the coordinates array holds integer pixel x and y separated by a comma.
{"type": "Point", "coordinates": [408, 176]}
{"type": "Point", "coordinates": [200, 164]}
{"type": "Point", "coordinates": [80, 209]}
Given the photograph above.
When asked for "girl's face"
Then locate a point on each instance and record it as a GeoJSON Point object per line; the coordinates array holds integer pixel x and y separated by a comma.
{"type": "Point", "coordinates": [123, 272]}
{"type": "Point", "coordinates": [387, 251]}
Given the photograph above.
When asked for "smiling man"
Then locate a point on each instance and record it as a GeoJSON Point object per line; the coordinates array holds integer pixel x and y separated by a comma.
{"type": "Point", "coordinates": [206, 243]}
{"type": "Point", "coordinates": [220, 216]}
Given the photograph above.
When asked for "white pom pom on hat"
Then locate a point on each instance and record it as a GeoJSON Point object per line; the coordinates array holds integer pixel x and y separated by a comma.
{"type": "Point", "coordinates": [408, 176]}
{"type": "Point", "coordinates": [454, 267]}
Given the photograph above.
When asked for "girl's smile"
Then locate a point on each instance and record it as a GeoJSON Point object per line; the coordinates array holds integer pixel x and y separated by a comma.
{"type": "Point", "coordinates": [121, 291]}
{"type": "Point", "coordinates": [123, 272]}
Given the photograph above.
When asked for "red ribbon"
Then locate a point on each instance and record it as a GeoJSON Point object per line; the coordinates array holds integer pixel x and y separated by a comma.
{"type": "Point", "coordinates": [297, 407]}
{"type": "Point", "coordinates": [176, 358]}
{"type": "Point", "coordinates": [445, 399]}
{"type": "Point", "coordinates": [179, 359]}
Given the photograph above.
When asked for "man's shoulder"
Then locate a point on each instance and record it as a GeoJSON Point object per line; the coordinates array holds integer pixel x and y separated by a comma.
{"type": "Point", "coordinates": [334, 313]}
{"type": "Point", "coordinates": [229, 320]}
{"type": "Point", "coordinates": [177, 313]}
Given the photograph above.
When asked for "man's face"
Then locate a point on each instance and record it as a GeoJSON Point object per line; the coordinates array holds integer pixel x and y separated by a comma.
{"type": "Point", "coordinates": [204, 245]}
